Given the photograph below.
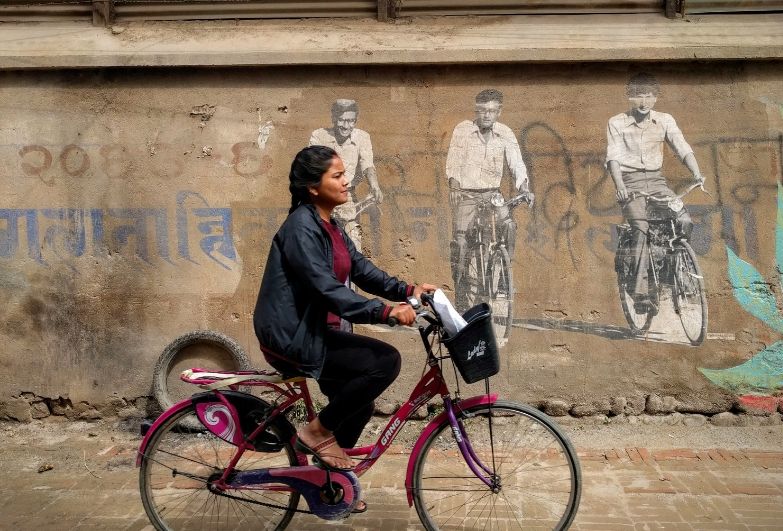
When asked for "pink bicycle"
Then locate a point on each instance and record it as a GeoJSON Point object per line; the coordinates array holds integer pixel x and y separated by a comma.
{"type": "Point", "coordinates": [481, 463]}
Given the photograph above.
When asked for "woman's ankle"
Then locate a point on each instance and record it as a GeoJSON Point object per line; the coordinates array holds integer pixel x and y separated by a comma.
{"type": "Point", "coordinates": [314, 428]}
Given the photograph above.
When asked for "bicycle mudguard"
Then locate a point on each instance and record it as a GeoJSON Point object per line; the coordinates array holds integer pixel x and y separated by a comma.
{"type": "Point", "coordinates": [176, 408]}
{"type": "Point", "coordinates": [232, 421]}
{"type": "Point", "coordinates": [434, 423]}
{"type": "Point", "coordinates": [235, 421]}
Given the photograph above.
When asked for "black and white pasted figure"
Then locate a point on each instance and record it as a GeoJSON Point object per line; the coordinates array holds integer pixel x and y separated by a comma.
{"type": "Point", "coordinates": [634, 157]}
{"type": "Point", "coordinates": [479, 153]}
{"type": "Point", "coordinates": [355, 149]}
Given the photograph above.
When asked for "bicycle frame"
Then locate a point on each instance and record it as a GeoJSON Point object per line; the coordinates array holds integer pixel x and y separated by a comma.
{"type": "Point", "coordinates": [486, 212]}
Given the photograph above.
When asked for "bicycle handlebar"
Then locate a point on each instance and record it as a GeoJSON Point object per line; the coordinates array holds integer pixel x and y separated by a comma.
{"type": "Point", "coordinates": [419, 308]}
{"type": "Point", "coordinates": [524, 197]}
{"type": "Point", "coordinates": [364, 204]}
{"type": "Point", "coordinates": [669, 198]}
{"type": "Point", "coordinates": [498, 200]}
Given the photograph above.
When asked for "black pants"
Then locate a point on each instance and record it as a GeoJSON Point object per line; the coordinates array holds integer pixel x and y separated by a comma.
{"type": "Point", "coordinates": [357, 370]}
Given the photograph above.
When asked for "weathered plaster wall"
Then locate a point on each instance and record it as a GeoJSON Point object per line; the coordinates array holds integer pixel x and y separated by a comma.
{"type": "Point", "coordinates": [138, 205]}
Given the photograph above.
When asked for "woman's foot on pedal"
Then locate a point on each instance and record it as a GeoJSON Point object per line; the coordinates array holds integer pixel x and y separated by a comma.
{"type": "Point", "coordinates": [313, 439]}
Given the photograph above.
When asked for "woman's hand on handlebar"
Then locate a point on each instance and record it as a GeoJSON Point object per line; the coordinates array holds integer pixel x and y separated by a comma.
{"type": "Point", "coordinates": [422, 288]}
{"type": "Point", "coordinates": [402, 314]}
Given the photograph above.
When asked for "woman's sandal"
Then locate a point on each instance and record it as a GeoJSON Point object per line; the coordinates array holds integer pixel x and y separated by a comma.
{"type": "Point", "coordinates": [361, 507]}
{"type": "Point", "coordinates": [316, 452]}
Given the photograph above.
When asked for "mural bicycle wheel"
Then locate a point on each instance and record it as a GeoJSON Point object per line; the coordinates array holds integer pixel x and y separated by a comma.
{"type": "Point", "coordinates": [501, 294]}
{"type": "Point", "coordinates": [688, 293]}
{"type": "Point", "coordinates": [472, 280]}
{"type": "Point", "coordinates": [637, 322]}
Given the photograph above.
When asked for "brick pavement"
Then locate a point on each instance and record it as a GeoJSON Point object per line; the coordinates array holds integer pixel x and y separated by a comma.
{"type": "Point", "coordinates": [93, 485]}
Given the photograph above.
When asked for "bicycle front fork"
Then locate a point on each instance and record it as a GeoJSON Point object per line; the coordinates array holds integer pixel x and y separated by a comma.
{"type": "Point", "coordinates": [481, 471]}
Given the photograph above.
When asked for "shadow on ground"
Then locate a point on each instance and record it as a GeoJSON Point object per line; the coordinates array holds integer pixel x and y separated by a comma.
{"type": "Point", "coordinates": [592, 328]}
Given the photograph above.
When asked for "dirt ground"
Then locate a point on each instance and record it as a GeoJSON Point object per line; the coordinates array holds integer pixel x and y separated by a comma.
{"type": "Point", "coordinates": [72, 444]}
{"type": "Point", "coordinates": [638, 473]}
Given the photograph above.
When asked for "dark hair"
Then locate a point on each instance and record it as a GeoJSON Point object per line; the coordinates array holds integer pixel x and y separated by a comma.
{"type": "Point", "coordinates": [306, 171]}
{"type": "Point", "coordinates": [342, 105]}
{"type": "Point", "coordinates": [488, 95]}
{"type": "Point", "coordinates": [642, 83]}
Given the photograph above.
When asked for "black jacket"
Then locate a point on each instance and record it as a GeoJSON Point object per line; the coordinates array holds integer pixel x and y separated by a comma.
{"type": "Point", "coordinates": [299, 288]}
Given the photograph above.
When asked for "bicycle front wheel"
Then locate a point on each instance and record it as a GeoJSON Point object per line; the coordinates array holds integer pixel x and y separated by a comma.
{"type": "Point", "coordinates": [638, 322]}
{"type": "Point", "coordinates": [472, 280]}
{"type": "Point", "coordinates": [178, 467]}
{"type": "Point", "coordinates": [501, 294]}
{"type": "Point", "coordinates": [539, 479]}
{"type": "Point", "coordinates": [688, 293]}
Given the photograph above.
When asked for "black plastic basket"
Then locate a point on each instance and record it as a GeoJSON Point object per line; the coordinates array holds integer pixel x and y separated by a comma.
{"type": "Point", "coordinates": [474, 349]}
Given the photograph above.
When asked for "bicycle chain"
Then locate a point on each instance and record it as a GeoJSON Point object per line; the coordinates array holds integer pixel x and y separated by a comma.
{"type": "Point", "coordinates": [271, 505]}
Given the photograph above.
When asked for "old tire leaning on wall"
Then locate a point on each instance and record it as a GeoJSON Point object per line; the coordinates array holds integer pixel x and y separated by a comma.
{"type": "Point", "coordinates": [201, 348]}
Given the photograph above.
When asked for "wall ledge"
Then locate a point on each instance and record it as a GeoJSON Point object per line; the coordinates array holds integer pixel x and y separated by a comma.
{"type": "Point", "coordinates": [424, 40]}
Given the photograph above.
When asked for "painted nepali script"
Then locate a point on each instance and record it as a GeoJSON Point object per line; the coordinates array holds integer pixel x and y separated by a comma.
{"type": "Point", "coordinates": [73, 232]}
{"type": "Point", "coordinates": [763, 373]}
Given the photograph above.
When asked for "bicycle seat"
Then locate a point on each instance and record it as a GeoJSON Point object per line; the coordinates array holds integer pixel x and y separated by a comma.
{"type": "Point", "coordinates": [210, 380]}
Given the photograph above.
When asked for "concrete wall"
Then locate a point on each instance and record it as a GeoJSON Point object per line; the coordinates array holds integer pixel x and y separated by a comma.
{"type": "Point", "coordinates": [139, 204]}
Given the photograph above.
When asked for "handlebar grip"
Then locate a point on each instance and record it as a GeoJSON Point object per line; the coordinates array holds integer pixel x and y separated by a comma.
{"type": "Point", "coordinates": [392, 322]}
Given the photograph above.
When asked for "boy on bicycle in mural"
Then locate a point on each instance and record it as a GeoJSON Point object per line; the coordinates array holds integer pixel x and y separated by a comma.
{"type": "Point", "coordinates": [354, 147]}
{"type": "Point", "coordinates": [478, 154]}
{"type": "Point", "coordinates": [634, 156]}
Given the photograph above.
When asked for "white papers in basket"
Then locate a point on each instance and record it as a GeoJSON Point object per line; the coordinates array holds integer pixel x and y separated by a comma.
{"type": "Point", "coordinates": [452, 320]}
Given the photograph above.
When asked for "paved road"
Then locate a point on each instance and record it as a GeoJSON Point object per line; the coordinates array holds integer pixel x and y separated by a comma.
{"type": "Point", "coordinates": [724, 483]}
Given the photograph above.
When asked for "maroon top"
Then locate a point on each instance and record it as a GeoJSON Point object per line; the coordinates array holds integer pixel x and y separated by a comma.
{"type": "Point", "coordinates": [341, 264]}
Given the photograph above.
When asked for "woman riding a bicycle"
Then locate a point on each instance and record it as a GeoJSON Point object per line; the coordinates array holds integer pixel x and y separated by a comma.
{"type": "Point", "coordinates": [305, 306]}
{"type": "Point", "coordinates": [481, 463]}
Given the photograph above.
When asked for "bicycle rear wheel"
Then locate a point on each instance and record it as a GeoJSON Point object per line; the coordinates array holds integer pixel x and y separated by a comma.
{"type": "Point", "coordinates": [179, 465]}
{"type": "Point", "coordinates": [688, 293]}
{"type": "Point", "coordinates": [501, 294]}
{"type": "Point", "coordinates": [540, 478]}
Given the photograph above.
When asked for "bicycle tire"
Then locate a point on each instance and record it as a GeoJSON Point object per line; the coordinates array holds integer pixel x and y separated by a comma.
{"type": "Point", "coordinates": [639, 323]}
{"type": "Point", "coordinates": [688, 292]}
{"type": "Point", "coordinates": [501, 294]}
{"type": "Point", "coordinates": [173, 481]}
{"type": "Point", "coordinates": [166, 386]}
{"type": "Point", "coordinates": [471, 284]}
{"type": "Point", "coordinates": [442, 480]}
